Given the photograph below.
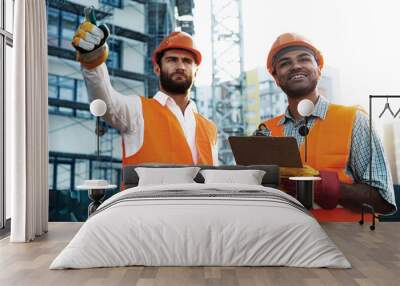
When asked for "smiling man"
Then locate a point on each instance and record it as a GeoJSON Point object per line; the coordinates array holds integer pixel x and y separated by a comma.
{"type": "Point", "coordinates": [338, 139]}
{"type": "Point", "coordinates": [166, 128]}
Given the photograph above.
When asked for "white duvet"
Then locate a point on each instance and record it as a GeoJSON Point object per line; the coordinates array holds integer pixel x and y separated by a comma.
{"type": "Point", "coordinates": [183, 231]}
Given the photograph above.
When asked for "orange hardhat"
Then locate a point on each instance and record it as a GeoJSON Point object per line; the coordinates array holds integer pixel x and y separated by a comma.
{"type": "Point", "coordinates": [289, 40]}
{"type": "Point", "coordinates": [177, 40]}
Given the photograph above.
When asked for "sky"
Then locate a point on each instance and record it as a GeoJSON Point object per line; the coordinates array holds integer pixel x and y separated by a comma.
{"type": "Point", "coordinates": [358, 38]}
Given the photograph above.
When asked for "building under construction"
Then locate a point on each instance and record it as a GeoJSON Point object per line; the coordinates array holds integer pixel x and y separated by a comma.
{"type": "Point", "coordinates": [137, 27]}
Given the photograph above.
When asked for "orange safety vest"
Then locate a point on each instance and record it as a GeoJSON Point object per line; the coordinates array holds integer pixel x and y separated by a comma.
{"type": "Point", "coordinates": [164, 140]}
{"type": "Point", "coordinates": [328, 141]}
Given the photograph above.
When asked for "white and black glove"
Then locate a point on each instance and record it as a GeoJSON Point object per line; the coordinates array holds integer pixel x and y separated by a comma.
{"type": "Point", "coordinates": [90, 41]}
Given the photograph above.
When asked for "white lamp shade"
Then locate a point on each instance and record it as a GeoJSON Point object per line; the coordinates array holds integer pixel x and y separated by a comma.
{"type": "Point", "coordinates": [305, 107]}
{"type": "Point", "coordinates": [98, 107]}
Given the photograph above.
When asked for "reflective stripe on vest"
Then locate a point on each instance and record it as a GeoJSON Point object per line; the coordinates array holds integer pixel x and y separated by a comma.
{"type": "Point", "coordinates": [328, 141]}
{"type": "Point", "coordinates": [164, 140]}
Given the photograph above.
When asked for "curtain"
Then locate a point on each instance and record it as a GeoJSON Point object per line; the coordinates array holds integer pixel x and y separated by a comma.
{"type": "Point", "coordinates": [27, 124]}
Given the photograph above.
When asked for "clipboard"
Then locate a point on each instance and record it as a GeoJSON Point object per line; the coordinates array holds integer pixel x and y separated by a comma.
{"type": "Point", "coordinates": [265, 150]}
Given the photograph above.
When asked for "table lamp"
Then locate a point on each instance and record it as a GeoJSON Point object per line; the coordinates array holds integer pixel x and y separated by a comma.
{"type": "Point", "coordinates": [305, 185]}
{"type": "Point", "coordinates": [305, 108]}
{"type": "Point", "coordinates": [96, 188]}
{"type": "Point", "coordinates": [98, 108]}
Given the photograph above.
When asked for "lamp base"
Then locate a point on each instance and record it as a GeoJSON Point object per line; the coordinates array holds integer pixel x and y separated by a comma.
{"type": "Point", "coordinates": [96, 196]}
{"type": "Point", "coordinates": [305, 193]}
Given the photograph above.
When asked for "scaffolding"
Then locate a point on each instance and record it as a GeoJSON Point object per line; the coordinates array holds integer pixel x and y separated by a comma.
{"type": "Point", "coordinates": [228, 82]}
{"type": "Point", "coordinates": [70, 168]}
{"type": "Point", "coordinates": [160, 23]}
{"type": "Point", "coordinates": [162, 20]}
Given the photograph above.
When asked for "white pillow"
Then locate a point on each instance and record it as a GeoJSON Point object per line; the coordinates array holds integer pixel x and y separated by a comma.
{"type": "Point", "coordinates": [164, 176]}
{"type": "Point", "coordinates": [248, 177]}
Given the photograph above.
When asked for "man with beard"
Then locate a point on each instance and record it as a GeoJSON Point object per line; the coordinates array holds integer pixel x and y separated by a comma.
{"type": "Point", "coordinates": [164, 129]}
{"type": "Point", "coordinates": [338, 138]}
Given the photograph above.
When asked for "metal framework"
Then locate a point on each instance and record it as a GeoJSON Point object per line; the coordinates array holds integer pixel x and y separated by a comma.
{"type": "Point", "coordinates": [228, 82]}
{"type": "Point", "coordinates": [160, 23]}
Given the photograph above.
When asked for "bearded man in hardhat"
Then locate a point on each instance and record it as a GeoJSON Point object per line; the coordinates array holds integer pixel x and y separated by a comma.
{"type": "Point", "coordinates": [166, 128]}
{"type": "Point", "coordinates": [338, 138]}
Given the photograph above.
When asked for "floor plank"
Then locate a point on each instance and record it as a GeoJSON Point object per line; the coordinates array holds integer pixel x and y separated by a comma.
{"type": "Point", "coordinates": [374, 255]}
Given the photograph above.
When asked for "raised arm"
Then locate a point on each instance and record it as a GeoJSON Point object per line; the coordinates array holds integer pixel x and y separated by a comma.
{"type": "Point", "coordinates": [123, 112]}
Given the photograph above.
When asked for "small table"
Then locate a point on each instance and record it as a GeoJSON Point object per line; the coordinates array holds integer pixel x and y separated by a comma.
{"type": "Point", "coordinates": [305, 190]}
{"type": "Point", "coordinates": [96, 192]}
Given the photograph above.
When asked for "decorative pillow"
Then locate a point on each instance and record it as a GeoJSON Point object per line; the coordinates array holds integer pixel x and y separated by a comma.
{"type": "Point", "coordinates": [248, 177]}
{"type": "Point", "coordinates": [163, 176]}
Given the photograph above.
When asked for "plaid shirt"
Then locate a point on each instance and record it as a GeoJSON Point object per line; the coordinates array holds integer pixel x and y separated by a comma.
{"type": "Point", "coordinates": [358, 165]}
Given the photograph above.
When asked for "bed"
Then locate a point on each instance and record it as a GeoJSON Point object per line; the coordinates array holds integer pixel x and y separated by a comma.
{"type": "Point", "coordinates": [201, 224]}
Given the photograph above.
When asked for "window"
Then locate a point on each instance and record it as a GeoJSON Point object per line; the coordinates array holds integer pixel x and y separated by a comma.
{"type": "Point", "coordinates": [113, 3]}
{"type": "Point", "coordinates": [61, 27]}
{"type": "Point", "coordinates": [62, 87]}
{"type": "Point", "coordinates": [64, 177]}
{"type": "Point", "coordinates": [114, 57]}
{"type": "Point", "coordinates": [69, 24]}
{"type": "Point", "coordinates": [82, 95]}
{"type": "Point", "coordinates": [69, 89]}
{"type": "Point", "coordinates": [51, 175]}
{"type": "Point", "coordinates": [66, 91]}
{"type": "Point", "coordinates": [53, 86]}
{"type": "Point", "coordinates": [66, 88]}
{"type": "Point", "coordinates": [52, 26]}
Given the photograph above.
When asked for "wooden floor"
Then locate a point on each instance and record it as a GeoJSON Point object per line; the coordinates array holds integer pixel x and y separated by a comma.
{"type": "Point", "coordinates": [375, 256]}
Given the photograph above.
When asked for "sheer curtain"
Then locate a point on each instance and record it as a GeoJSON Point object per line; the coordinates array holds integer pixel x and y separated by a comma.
{"type": "Point", "coordinates": [27, 121]}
